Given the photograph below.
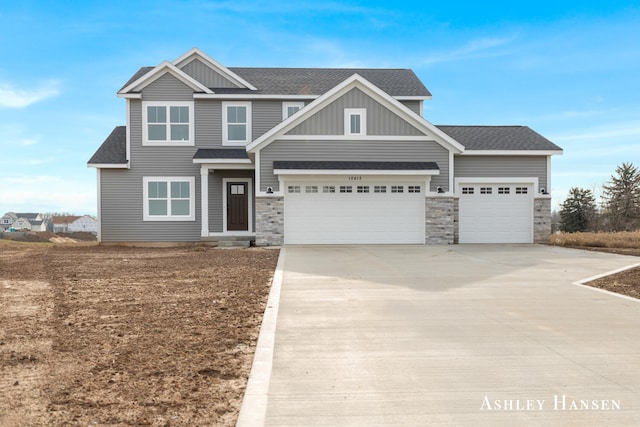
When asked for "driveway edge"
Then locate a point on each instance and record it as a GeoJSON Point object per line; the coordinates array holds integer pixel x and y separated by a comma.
{"type": "Point", "coordinates": [608, 273]}
{"type": "Point", "coordinates": [254, 404]}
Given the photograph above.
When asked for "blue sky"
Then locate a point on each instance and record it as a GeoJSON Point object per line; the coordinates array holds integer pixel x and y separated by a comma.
{"type": "Point", "coordinates": [569, 70]}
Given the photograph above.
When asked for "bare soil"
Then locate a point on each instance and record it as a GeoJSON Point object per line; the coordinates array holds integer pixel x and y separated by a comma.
{"type": "Point", "coordinates": [115, 336]}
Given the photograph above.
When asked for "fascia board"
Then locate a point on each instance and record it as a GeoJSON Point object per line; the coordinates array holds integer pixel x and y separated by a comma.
{"type": "Point", "coordinates": [512, 152]}
{"type": "Point", "coordinates": [108, 165]}
{"type": "Point", "coordinates": [213, 64]}
{"type": "Point", "coordinates": [158, 72]}
{"type": "Point", "coordinates": [421, 172]}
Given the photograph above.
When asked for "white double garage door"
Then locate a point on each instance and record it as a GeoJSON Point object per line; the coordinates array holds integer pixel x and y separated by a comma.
{"type": "Point", "coordinates": [391, 210]}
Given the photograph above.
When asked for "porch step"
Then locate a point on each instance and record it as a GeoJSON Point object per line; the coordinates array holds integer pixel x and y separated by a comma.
{"type": "Point", "coordinates": [234, 243]}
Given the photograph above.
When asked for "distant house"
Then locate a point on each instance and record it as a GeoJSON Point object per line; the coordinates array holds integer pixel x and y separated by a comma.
{"type": "Point", "coordinates": [85, 223]}
{"type": "Point", "coordinates": [61, 223]}
{"type": "Point", "coordinates": [6, 222]}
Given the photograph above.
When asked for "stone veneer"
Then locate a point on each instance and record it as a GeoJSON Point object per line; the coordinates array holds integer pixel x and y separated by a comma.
{"type": "Point", "coordinates": [269, 221]}
{"type": "Point", "coordinates": [440, 220]}
{"type": "Point", "coordinates": [541, 219]}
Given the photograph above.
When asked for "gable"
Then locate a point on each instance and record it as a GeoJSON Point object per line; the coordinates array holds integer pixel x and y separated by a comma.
{"type": "Point", "coordinates": [330, 119]}
{"type": "Point", "coordinates": [167, 88]}
{"type": "Point", "coordinates": [206, 75]}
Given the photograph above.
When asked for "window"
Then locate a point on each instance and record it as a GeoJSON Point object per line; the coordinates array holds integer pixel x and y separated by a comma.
{"type": "Point", "coordinates": [311, 189]}
{"type": "Point", "coordinates": [169, 199]}
{"type": "Point", "coordinates": [503, 190]}
{"type": "Point", "coordinates": [485, 190]}
{"type": "Point", "coordinates": [467, 190]}
{"type": "Point", "coordinates": [522, 190]}
{"type": "Point", "coordinates": [397, 189]}
{"type": "Point", "coordinates": [293, 189]}
{"type": "Point", "coordinates": [290, 108]}
{"type": "Point", "coordinates": [413, 189]}
{"type": "Point", "coordinates": [328, 188]}
{"type": "Point", "coordinates": [236, 123]}
{"type": "Point", "coordinates": [167, 123]}
{"type": "Point", "coordinates": [237, 189]}
{"type": "Point", "coordinates": [363, 188]}
{"type": "Point", "coordinates": [379, 188]}
{"type": "Point", "coordinates": [6, 221]}
{"type": "Point", "coordinates": [346, 189]}
{"type": "Point", "coordinates": [355, 121]}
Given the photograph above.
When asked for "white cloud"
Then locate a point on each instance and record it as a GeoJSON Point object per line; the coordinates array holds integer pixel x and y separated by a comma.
{"type": "Point", "coordinates": [12, 97]}
{"type": "Point", "coordinates": [481, 47]}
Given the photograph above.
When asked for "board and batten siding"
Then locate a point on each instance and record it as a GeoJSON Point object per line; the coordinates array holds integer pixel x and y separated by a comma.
{"type": "Point", "coordinates": [215, 196]}
{"type": "Point", "coordinates": [502, 166]}
{"type": "Point", "coordinates": [205, 75]}
{"type": "Point", "coordinates": [392, 151]}
{"type": "Point", "coordinates": [330, 119]}
{"type": "Point", "coordinates": [413, 106]}
{"type": "Point", "coordinates": [167, 88]}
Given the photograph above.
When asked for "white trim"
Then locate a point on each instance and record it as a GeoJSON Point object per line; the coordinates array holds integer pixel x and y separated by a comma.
{"type": "Point", "coordinates": [511, 152]}
{"type": "Point", "coordinates": [168, 142]}
{"type": "Point", "coordinates": [204, 201]}
{"type": "Point", "coordinates": [385, 138]}
{"type": "Point", "coordinates": [127, 134]}
{"type": "Point", "coordinates": [421, 172]}
{"type": "Point", "coordinates": [413, 98]}
{"type": "Point", "coordinates": [226, 166]}
{"type": "Point", "coordinates": [241, 96]}
{"type": "Point", "coordinates": [159, 71]}
{"type": "Point", "coordinates": [498, 180]}
{"type": "Point", "coordinates": [358, 112]}
{"type": "Point", "coordinates": [548, 175]}
{"type": "Point", "coordinates": [225, 130]}
{"type": "Point", "coordinates": [99, 200]}
{"type": "Point", "coordinates": [168, 179]}
{"type": "Point", "coordinates": [250, 230]}
{"type": "Point", "coordinates": [357, 81]}
{"type": "Point", "coordinates": [214, 65]}
{"type": "Point", "coordinates": [287, 104]}
{"type": "Point", "coordinates": [451, 174]}
{"type": "Point", "coordinates": [257, 173]}
{"type": "Point", "coordinates": [129, 95]}
{"type": "Point", "coordinates": [224, 161]}
{"type": "Point", "coordinates": [108, 165]}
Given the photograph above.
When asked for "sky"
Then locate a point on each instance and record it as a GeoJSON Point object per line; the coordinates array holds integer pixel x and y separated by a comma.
{"type": "Point", "coordinates": [569, 70]}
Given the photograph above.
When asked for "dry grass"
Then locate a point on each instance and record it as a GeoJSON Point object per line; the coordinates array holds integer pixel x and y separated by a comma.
{"type": "Point", "coordinates": [623, 239]}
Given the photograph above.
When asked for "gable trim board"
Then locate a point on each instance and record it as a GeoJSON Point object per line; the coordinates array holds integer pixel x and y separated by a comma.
{"type": "Point", "coordinates": [425, 165]}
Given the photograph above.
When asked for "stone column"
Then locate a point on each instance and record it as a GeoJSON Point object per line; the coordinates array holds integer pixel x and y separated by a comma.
{"type": "Point", "coordinates": [541, 219]}
{"type": "Point", "coordinates": [269, 221]}
{"type": "Point", "coordinates": [439, 219]}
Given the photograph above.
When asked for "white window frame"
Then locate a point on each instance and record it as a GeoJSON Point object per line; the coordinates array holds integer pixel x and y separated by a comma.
{"type": "Point", "coordinates": [225, 128]}
{"type": "Point", "coordinates": [286, 105]}
{"type": "Point", "coordinates": [348, 113]}
{"type": "Point", "coordinates": [169, 179]}
{"type": "Point", "coordinates": [167, 142]}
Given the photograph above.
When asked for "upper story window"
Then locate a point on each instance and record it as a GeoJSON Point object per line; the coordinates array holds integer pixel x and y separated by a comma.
{"type": "Point", "coordinates": [355, 121]}
{"type": "Point", "coordinates": [236, 123]}
{"type": "Point", "coordinates": [167, 123]}
{"type": "Point", "coordinates": [290, 108]}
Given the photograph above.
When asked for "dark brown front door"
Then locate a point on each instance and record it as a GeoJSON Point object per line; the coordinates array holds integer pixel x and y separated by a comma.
{"type": "Point", "coordinates": [237, 206]}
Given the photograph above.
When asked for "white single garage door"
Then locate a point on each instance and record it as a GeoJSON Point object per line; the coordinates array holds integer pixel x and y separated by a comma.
{"type": "Point", "coordinates": [496, 213]}
{"type": "Point", "coordinates": [369, 211]}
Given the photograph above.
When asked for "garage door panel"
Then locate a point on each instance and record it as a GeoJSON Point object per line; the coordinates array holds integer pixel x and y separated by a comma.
{"type": "Point", "coordinates": [495, 218]}
{"type": "Point", "coordinates": [354, 218]}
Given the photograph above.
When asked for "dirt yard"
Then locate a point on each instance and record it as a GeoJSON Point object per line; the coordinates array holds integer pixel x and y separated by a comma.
{"type": "Point", "coordinates": [97, 336]}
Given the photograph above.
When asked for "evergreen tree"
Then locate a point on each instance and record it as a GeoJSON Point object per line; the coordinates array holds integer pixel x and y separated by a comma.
{"type": "Point", "coordinates": [578, 210]}
{"type": "Point", "coordinates": [621, 199]}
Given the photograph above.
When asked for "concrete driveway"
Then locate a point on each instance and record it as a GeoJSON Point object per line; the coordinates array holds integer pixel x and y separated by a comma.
{"type": "Point", "coordinates": [454, 335]}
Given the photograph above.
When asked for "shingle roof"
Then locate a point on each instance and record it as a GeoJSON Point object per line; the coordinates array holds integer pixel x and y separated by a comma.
{"type": "Point", "coordinates": [221, 153]}
{"type": "Point", "coordinates": [113, 150]}
{"type": "Point", "coordinates": [316, 81]}
{"type": "Point", "coordinates": [499, 138]}
{"type": "Point", "coordinates": [348, 165]}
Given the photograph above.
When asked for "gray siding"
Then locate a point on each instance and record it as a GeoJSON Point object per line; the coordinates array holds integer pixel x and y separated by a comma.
{"type": "Point", "coordinates": [354, 150]}
{"type": "Point", "coordinates": [205, 75]}
{"type": "Point", "coordinates": [502, 166]}
{"type": "Point", "coordinates": [208, 122]}
{"type": "Point", "coordinates": [264, 116]}
{"type": "Point", "coordinates": [215, 196]}
{"type": "Point", "coordinates": [413, 106]}
{"type": "Point", "coordinates": [330, 120]}
{"type": "Point", "coordinates": [167, 88]}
